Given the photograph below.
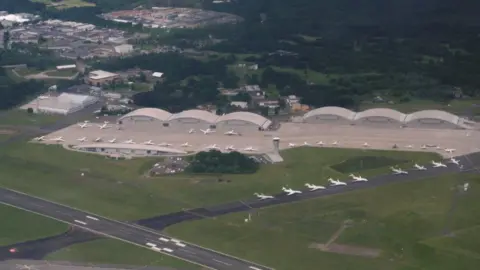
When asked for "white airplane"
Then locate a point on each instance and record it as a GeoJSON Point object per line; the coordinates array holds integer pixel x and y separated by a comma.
{"type": "Point", "coordinates": [83, 139]}
{"type": "Point", "coordinates": [213, 146]}
{"type": "Point", "coordinates": [149, 142]}
{"type": "Point", "coordinates": [262, 196]}
{"type": "Point", "coordinates": [103, 126]}
{"type": "Point", "coordinates": [290, 191]}
{"type": "Point", "coordinates": [99, 139]}
{"type": "Point", "coordinates": [398, 171]}
{"type": "Point", "coordinates": [250, 149]}
{"type": "Point", "coordinates": [185, 144]}
{"type": "Point", "coordinates": [41, 138]}
{"type": "Point", "coordinates": [191, 131]}
{"type": "Point", "coordinates": [424, 146]}
{"type": "Point", "coordinates": [358, 178]}
{"type": "Point", "coordinates": [337, 182]}
{"type": "Point", "coordinates": [313, 187]}
{"type": "Point", "coordinates": [335, 143]}
{"type": "Point", "coordinates": [320, 143]}
{"type": "Point", "coordinates": [229, 148]}
{"type": "Point", "coordinates": [418, 167]}
{"type": "Point", "coordinates": [84, 125]}
{"type": "Point", "coordinates": [112, 140]}
{"type": "Point", "coordinates": [130, 141]}
{"type": "Point", "coordinates": [455, 161]}
{"type": "Point", "coordinates": [164, 144]}
{"type": "Point", "coordinates": [450, 150]}
{"type": "Point", "coordinates": [365, 144]}
{"type": "Point", "coordinates": [438, 164]}
{"type": "Point", "coordinates": [291, 145]}
{"type": "Point", "coordinates": [207, 131]}
{"type": "Point", "coordinates": [58, 139]}
{"type": "Point", "coordinates": [306, 144]}
{"type": "Point", "coordinates": [231, 132]}
{"type": "Point", "coordinates": [409, 146]}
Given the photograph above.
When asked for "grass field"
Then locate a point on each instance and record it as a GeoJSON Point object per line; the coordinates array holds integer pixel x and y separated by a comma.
{"type": "Point", "coordinates": [21, 117]}
{"type": "Point", "coordinates": [62, 73]}
{"type": "Point", "coordinates": [397, 219]}
{"type": "Point", "coordinates": [117, 188]}
{"type": "Point", "coordinates": [109, 251]}
{"type": "Point", "coordinates": [16, 226]}
{"type": "Point", "coordinates": [63, 4]}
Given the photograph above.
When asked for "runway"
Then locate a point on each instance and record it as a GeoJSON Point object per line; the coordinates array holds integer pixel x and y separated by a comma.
{"type": "Point", "coordinates": [127, 232]}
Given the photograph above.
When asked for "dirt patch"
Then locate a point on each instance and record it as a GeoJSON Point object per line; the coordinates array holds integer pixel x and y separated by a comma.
{"type": "Point", "coordinates": [7, 131]}
{"type": "Point", "coordinates": [348, 250]}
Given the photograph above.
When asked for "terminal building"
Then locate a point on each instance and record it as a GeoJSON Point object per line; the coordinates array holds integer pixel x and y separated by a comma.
{"type": "Point", "coordinates": [137, 150]}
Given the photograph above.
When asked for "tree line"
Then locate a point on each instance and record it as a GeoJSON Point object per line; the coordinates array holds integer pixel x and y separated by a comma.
{"type": "Point", "coordinates": [225, 163]}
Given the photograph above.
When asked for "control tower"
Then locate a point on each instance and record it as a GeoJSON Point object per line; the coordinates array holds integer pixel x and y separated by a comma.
{"type": "Point", "coordinates": [276, 144]}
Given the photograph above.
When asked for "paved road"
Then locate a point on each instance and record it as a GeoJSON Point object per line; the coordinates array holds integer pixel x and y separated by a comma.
{"type": "Point", "coordinates": [161, 222]}
{"type": "Point", "coordinates": [126, 232]}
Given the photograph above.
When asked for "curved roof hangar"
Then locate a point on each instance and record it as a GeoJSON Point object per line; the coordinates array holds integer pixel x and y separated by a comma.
{"type": "Point", "coordinates": [253, 118]}
{"type": "Point", "coordinates": [433, 114]}
{"type": "Point", "coordinates": [155, 113]}
{"type": "Point", "coordinates": [381, 112]}
{"type": "Point", "coordinates": [331, 110]}
{"type": "Point", "coordinates": [196, 114]}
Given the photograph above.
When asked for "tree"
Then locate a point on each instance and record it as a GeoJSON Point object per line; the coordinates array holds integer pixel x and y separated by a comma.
{"type": "Point", "coordinates": [30, 111]}
{"type": "Point", "coordinates": [6, 40]}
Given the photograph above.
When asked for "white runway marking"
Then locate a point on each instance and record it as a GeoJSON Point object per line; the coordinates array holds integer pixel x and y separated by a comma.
{"type": "Point", "coordinates": [92, 218]}
{"type": "Point", "coordinates": [151, 245]}
{"type": "Point", "coordinates": [254, 268]}
{"type": "Point", "coordinates": [81, 222]}
{"type": "Point", "coordinates": [167, 250]}
{"type": "Point", "coordinates": [221, 262]}
{"type": "Point", "coordinates": [163, 239]}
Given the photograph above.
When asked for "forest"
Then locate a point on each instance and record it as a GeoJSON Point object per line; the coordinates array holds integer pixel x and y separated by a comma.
{"type": "Point", "coordinates": [215, 161]}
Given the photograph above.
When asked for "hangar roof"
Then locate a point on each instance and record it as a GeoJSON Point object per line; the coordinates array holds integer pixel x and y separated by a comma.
{"type": "Point", "coordinates": [158, 114]}
{"type": "Point", "coordinates": [247, 117]}
{"type": "Point", "coordinates": [338, 111]}
{"type": "Point", "coordinates": [196, 114]}
{"type": "Point", "coordinates": [381, 112]}
{"type": "Point", "coordinates": [433, 114]}
{"type": "Point", "coordinates": [130, 147]}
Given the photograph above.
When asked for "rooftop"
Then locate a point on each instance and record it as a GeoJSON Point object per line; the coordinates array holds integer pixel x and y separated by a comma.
{"type": "Point", "coordinates": [101, 74]}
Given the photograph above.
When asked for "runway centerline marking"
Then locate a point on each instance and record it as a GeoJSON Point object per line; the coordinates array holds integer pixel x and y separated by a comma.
{"type": "Point", "coordinates": [222, 262]}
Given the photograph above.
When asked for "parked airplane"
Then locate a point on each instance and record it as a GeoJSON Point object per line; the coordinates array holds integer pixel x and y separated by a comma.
{"type": "Point", "coordinates": [229, 148]}
{"type": "Point", "coordinates": [409, 146]}
{"type": "Point", "coordinates": [337, 182]}
{"type": "Point", "coordinates": [99, 139]}
{"type": "Point", "coordinates": [83, 139]}
{"type": "Point", "coordinates": [418, 167]}
{"type": "Point", "coordinates": [450, 150]}
{"type": "Point", "coordinates": [313, 187]}
{"type": "Point", "coordinates": [213, 146]}
{"type": "Point", "coordinates": [250, 149]}
{"type": "Point", "coordinates": [291, 145]}
{"type": "Point", "coordinates": [455, 161]}
{"type": "Point", "coordinates": [365, 144]}
{"type": "Point", "coordinates": [149, 142]}
{"type": "Point", "coordinates": [207, 131]}
{"type": "Point", "coordinates": [438, 164]}
{"type": "Point", "coordinates": [191, 131]}
{"type": "Point", "coordinates": [112, 140]}
{"type": "Point", "coordinates": [320, 143]}
{"type": "Point", "coordinates": [231, 132]}
{"type": "Point", "coordinates": [306, 144]}
{"type": "Point", "coordinates": [130, 141]}
{"type": "Point", "coordinates": [358, 178]}
{"type": "Point", "coordinates": [58, 139]}
{"type": "Point", "coordinates": [164, 144]}
{"type": "Point", "coordinates": [290, 191]}
{"type": "Point", "coordinates": [262, 196]}
{"type": "Point", "coordinates": [84, 125]}
{"type": "Point", "coordinates": [398, 171]}
{"type": "Point", "coordinates": [335, 143]}
{"type": "Point", "coordinates": [424, 146]}
{"type": "Point", "coordinates": [41, 138]}
{"type": "Point", "coordinates": [103, 126]}
{"type": "Point", "coordinates": [185, 144]}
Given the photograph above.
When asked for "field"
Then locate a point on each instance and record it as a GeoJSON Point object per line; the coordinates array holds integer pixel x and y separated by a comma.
{"type": "Point", "coordinates": [22, 118]}
{"type": "Point", "coordinates": [16, 226]}
{"type": "Point", "coordinates": [119, 190]}
{"type": "Point", "coordinates": [65, 3]}
{"type": "Point", "coordinates": [109, 251]}
{"type": "Point", "coordinates": [405, 223]}
{"type": "Point", "coordinates": [61, 73]}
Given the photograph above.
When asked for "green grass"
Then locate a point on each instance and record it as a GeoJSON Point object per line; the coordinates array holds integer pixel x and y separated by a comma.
{"type": "Point", "coordinates": [66, 3]}
{"type": "Point", "coordinates": [110, 251]}
{"type": "Point", "coordinates": [396, 218]}
{"type": "Point", "coordinates": [117, 189]}
{"type": "Point", "coordinates": [362, 163]}
{"type": "Point", "coordinates": [26, 71]}
{"type": "Point", "coordinates": [62, 73]}
{"type": "Point", "coordinates": [16, 226]}
{"type": "Point", "coordinates": [21, 118]}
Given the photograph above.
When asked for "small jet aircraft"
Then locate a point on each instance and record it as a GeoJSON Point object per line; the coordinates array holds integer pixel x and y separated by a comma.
{"type": "Point", "coordinates": [438, 164]}
{"type": "Point", "coordinates": [398, 171]}
{"type": "Point", "coordinates": [418, 167]}
{"type": "Point", "coordinates": [424, 146]}
{"type": "Point", "coordinates": [84, 125]}
{"type": "Point", "coordinates": [130, 141]}
{"type": "Point", "coordinates": [409, 146]}
{"type": "Point", "coordinates": [290, 191]}
{"type": "Point", "coordinates": [112, 140]}
{"type": "Point", "coordinates": [450, 150]}
{"type": "Point", "coordinates": [262, 196]}
{"type": "Point", "coordinates": [83, 139]}
{"type": "Point", "coordinates": [149, 142]}
{"type": "Point", "coordinates": [250, 149]}
{"type": "Point", "coordinates": [229, 148]}
{"type": "Point", "coordinates": [365, 144]}
{"type": "Point", "coordinates": [103, 126]}
{"type": "Point", "coordinates": [207, 131]}
{"type": "Point", "coordinates": [231, 133]}
{"type": "Point", "coordinates": [99, 139]}
{"type": "Point", "coordinates": [313, 187]}
{"type": "Point", "coordinates": [164, 144]}
{"type": "Point", "coordinates": [337, 182]}
{"type": "Point", "coordinates": [213, 146]}
{"type": "Point", "coordinates": [41, 138]}
{"type": "Point", "coordinates": [320, 143]}
{"type": "Point", "coordinates": [291, 145]}
{"type": "Point", "coordinates": [455, 161]}
{"type": "Point", "coordinates": [58, 139]}
{"type": "Point", "coordinates": [358, 178]}
{"type": "Point", "coordinates": [335, 143]}
{"type": "Point", "coordinates": [185, 144]}
{"type": "Point", "coordinates": [306, 144]}
{"type": "Point", "coordinates": [191, 131]}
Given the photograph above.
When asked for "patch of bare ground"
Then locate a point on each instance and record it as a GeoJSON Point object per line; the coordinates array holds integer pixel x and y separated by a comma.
{"type": "Point", "coordinates": [348, 250]}
{"type": "Point", "coordinates": [7, 131]}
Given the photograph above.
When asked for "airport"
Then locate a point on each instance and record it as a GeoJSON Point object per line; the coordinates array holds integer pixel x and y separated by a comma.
{"type": "Point", "coordinates": [155, 132]}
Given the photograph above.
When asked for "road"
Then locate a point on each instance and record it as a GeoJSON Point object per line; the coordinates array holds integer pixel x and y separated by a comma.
{"type": "Point", "coordinates": [127, 232]}
{"type": "Point", "coordinates": [469, 163]}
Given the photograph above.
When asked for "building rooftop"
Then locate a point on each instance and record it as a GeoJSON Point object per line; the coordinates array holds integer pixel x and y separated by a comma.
{"type": "Point", "coordinates": [101, 74]}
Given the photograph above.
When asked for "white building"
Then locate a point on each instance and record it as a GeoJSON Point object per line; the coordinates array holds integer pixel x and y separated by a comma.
{"type": "Point", "coordinates": [123, 49]}
{"type": "Point", "coordinates": [63, 104]}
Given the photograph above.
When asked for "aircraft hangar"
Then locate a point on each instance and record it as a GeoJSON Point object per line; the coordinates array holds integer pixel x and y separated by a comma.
{"type": "Point", "coordinates": [434, 119]}
{"type": "Point", "coordinates": [242, 121]}
{"type": "Point", "coordinates": [151, 115]}
{"type": "Point", "coordinates": [380, 117]}
{"type": "Point", "coordinates": [327, 115]}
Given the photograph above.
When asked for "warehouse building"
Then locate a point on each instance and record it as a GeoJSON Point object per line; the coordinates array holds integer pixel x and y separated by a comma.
{"type": "Point", "coordinates": [100, 77]}
{"type": "Point", "coordinates": [380, 117]}
{"type": "Point", "coordinates": [328, 115]}
{"type": "Point", "coordinates": [64, 103]}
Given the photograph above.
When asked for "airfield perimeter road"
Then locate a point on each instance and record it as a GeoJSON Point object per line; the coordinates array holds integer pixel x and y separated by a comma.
{"type": "Point", "coordinates": [126, 232]}
{"type": "Point", "coordinates": [469, 163]}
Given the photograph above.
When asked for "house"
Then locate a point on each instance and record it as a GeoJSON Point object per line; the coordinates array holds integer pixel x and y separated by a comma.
{"type": "Point", "coordinates": [240, 104]}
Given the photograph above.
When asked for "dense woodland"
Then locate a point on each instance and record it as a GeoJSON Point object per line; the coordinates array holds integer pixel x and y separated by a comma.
{"type": "Point", "coordinates": [217, 162]}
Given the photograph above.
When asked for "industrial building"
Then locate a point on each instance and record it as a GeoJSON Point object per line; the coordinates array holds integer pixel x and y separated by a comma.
{"type": "Point", "coordinates": [64, 103]}
{"type": "Point", "coordinates": [384, 117]}
{"type": "Point", "coordinates": [124, 149]}
{"type": "Point", "coordinates": [100, 77]}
